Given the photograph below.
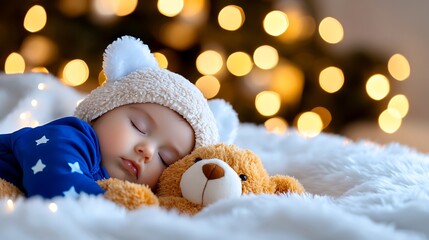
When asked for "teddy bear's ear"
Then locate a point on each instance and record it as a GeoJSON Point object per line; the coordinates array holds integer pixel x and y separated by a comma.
{"type": "Point", "coordinates": [286, 184]}
{"type": "Point", "coordinates": [226, 120]}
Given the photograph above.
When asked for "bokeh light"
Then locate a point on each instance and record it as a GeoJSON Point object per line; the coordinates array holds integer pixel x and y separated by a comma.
{"type": "Point", "coordinates": [170, 8]}
{"type": "Point", "coordinates": [209, 62]}
{"type": "Point", "coordinates": [178, 35]}
{"type": "Point", "coordinates": [267, 103]}
{"type": "Point", "coordinates": [324, 114]}
{"type": "Point", "coordinates": [35, 19]}
{"type": "Point", "coordinates": [377, 86]}
{"type": "Point", "coordinates": [14, 64]}
{"type": "Point", "coordinates": [390, 120]}
{"type": "Point", "coordinates": [331, 79]}
{"type": "Point", "coordinates": [288, 80]}
{"type": "Point", "coordinates": [75, 72]}
{"type": "Point", "coordinates": [208, 85]}
{"type": "Point", "coordinates": [309, 124]}
{"type": "Point", "coordinates": [161, 59]}
{"type": "Point", "coordinates": [399, 103]}
{"type": "Point", "coordinates": [399, 67]}
{"type": "Point", "coordinates": [275, 23]}
{"type": "Point", "coordinates": [239, 63]}
{"type": "Point", "coordinates": [266, 57]}
{"type": "Point", "coordinates": [276, 125]}
{"type": "Point", "coordinates": [231, 17]}
{"type": "Point", "coordinates": [39, 50]}
{"type": "Point", "coordinates": [331, 30]}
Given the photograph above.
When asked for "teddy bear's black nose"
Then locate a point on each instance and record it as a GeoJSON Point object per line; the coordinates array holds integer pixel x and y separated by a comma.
{"type": "Point", "coordinates": [213, 171]}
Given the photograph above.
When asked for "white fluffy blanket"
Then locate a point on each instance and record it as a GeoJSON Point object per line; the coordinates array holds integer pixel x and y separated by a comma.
{"type": "Point", "coordinates": [356, 190]}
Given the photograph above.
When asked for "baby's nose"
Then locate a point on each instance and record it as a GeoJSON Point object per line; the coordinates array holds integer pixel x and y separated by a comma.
{"type": "Point", "coordinates": [146, 151]}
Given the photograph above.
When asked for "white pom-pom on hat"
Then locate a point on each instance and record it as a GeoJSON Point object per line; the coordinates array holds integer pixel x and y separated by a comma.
{"type": "Point", "coordinates": [126, 55]}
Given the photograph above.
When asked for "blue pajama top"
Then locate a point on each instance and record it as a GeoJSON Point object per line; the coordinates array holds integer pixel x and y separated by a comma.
{"type": "Point", "coordinates": [61, 158]}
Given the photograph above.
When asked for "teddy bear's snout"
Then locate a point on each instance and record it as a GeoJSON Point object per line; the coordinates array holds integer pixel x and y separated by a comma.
{"type": "Point", "coordinates": [210, 180]}
{"type": "Point", "coordinates": [213, 171]}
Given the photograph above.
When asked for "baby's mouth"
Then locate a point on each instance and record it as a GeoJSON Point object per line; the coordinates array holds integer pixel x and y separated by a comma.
{"type": "Point", "coordinates": [132, 167]}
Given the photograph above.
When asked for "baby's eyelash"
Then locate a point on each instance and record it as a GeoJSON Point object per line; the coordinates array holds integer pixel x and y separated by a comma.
{"type": "Point", "coordinates": [138, 129]}
{"type": "Point", "coordinates": [162, 160]}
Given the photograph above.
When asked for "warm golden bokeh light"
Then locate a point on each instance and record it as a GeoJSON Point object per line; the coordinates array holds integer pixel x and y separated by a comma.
{"type": "Point", "coordinates": [125, 7]}
{"type": "Point", "coordinates": [208, 85]}
{"type": "Point", "coordinates": [331, 79]}
{"type": "Point", "coordinates": [35, 19]}
{"type": "Point", "coordinates": [209, 62]}
{"type": "Point", "coordinates": [195, 11]}
{"type": "Point", "coordinates": [231, 17]}
{"type": "Point", "coordinates": [102, 78]}
{"type": "Point", "coordinates": [161, 59]}
{"type": "Point", "coordinates": [267, 103]}
{"type": "Point", "coordinates": [377, 87]}
{"type": "Point", "coordinates": [399, 103]}
{"type": "Point", "coordinates": [239, 63]}
{"type": "Point", "coordinates": [390, 120]}
{"type": "Point", "coordinates": [170, 8]}
{"type": "Point", "coordinates": [309, 124]}
{"type": "Point", "coordinates": [276, 125]}
{"type": "Point", "coordinates": [399, 67]}
{"type": "Point", "coordinates": [266, 57]}
{"type": "Point", "coordinates": [40, 70]}
{"type": "Point", "coordinates": [73, 8]}
{"type": "Point", "coordinates": [178, 34]}
{"type": "Point", "coordinates": [14, 64]}
{"type": "Point", "coordinates": [276, 23]}
{"type": "Point", "coordinates": [288, 81]}
{"type": "Point", "coordinates": [75, 72]}
{"type": "Point", "coordinates": [324, 114]}
{"type": "Point", "coordinates": [300, 26]}
{"type": "Point", "coordinates": [331, 30]}
{"type": "Point", "coordinates": [38, 50]}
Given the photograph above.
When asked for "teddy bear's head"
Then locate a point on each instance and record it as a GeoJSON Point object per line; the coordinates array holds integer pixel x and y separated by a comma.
{"type": "Point", "coordinates": [216, 172]}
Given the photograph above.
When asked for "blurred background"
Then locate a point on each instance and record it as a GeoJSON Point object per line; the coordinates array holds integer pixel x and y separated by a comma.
{"type": "Point", "coordinates": [355, 68]}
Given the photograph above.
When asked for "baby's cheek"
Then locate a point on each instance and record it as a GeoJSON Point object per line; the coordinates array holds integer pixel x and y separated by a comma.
{"type": "Point", "coordinates": [151, 174]}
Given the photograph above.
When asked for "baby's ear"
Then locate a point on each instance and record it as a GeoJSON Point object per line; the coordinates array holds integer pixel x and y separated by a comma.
{"type": "Point", "coordinates": [226, 119]}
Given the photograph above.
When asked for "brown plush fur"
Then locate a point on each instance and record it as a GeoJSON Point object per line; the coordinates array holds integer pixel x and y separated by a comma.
{"type": "Point", "coordinates": [242, 161]}
{"type": "Point", "coordinates": [8, 190]}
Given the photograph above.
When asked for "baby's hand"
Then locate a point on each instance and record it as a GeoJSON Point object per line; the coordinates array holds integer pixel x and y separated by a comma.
{"type": "Point", "coordinates": [127, 194]}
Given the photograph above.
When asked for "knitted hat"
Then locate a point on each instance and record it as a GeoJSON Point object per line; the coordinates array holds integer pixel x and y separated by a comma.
{"type": "Point", "coordinates": [133, 76]}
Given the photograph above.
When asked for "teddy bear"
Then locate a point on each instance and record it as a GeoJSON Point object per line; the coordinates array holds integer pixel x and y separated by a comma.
{"type": "Point", "coordinates": [201, 178]}
{"type": "Point", "coordinates": [216, 172]}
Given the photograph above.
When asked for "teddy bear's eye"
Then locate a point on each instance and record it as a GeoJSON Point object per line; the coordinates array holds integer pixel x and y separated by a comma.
{"type": "Point", "coordinates": [243, 177]}
{"type": "Point", "coordinates": [197, 159]}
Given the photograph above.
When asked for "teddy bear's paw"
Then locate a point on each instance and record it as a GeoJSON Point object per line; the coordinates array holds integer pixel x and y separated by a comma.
{"type": "Point", "coordinates": [287, 184]}
{"type": "Point", "coordinates": [127, 194]}
{"type": "Point", "coordinates": [178, 203]}
{"type": "Point", "coordinates": [8, 190]}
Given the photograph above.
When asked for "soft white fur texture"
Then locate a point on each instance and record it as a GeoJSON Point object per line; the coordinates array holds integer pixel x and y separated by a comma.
{"type": "Point", "coordinates": [125, 55]}
{"type": "Point", "coordinates": [356, 190]}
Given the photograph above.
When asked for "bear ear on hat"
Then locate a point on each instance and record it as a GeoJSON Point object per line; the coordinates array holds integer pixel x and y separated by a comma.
{"type": "Point", "coordinates": [126, 55]}
{"type": "Point", "coordinates": [226, 119]}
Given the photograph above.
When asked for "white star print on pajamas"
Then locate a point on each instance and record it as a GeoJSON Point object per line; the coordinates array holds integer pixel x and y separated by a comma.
{"type": "Point", "coordinates": [75, 167]}
{"type": "Point", "coordinates": [41, 140]}
{"type": "Point", "coordinates": [38, 167]}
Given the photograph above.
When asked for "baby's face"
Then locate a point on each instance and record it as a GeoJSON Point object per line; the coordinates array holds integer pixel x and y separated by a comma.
{"type": "Point", "coordinates": [138, 141]}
